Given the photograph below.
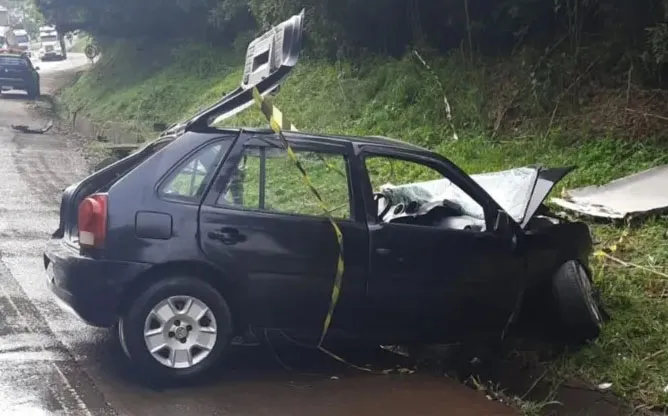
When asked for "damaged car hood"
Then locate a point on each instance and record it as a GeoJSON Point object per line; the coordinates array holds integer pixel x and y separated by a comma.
{"type": "Point", "coordinates": [519, 191]}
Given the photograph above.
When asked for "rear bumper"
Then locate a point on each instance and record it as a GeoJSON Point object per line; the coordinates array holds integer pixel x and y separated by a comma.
{"type": "Point", "coordinates": [88, 287]}
{"type": "Point", "coordinates": [15, 83]}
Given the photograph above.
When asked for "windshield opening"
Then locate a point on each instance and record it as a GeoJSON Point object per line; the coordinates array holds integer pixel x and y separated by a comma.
{"type": "Point", "coordinates": [50, 38]}
{"type": "Point", "coordinates": [22, 39]}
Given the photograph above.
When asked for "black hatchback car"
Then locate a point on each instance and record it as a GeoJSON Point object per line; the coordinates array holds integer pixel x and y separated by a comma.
{"type": "Point", "coordinates": [207, 233]}
{"type": "Point", "coordinates": [18, 73]}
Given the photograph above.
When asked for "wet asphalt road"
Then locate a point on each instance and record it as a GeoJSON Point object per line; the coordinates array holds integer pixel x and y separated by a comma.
{"type": "Point", "coordinates": [52, 364]}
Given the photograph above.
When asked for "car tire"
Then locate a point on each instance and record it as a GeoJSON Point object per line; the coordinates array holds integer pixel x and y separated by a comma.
{"type": "Point", "coordinates": [192, 348]}
{"type": "Point", "coordinates": [33, 92]}
{"type": "Point", "coordinates": [578, 312]}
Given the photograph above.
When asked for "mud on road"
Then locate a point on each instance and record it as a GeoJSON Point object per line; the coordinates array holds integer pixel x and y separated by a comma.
{"type": "Point", "coordinates": [52, 364]}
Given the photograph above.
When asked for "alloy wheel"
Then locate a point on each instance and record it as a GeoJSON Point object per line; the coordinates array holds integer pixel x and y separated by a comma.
{"type": "Point", "coordinates": [180, 332]}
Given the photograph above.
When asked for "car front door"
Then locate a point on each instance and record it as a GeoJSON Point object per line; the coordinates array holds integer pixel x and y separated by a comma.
{"type": "Point", "coordinates": [264, 223]}
{"type": "Point", "coordinates": [436, 283]}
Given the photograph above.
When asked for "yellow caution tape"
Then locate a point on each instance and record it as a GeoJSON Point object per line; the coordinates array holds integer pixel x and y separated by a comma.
{"type": "Point", "coordinates": [276, 114]}
{"type": "Point", "coordinates": [277, 121]}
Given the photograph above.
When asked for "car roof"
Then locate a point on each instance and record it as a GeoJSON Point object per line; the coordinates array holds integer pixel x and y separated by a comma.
{"type": "Point", "coordinates": [12, 54]}
{"type": "Point", "coordinates": [335, 138]}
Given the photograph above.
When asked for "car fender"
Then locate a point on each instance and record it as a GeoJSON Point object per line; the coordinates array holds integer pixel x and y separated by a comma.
{"type": "Point", "coordinates": [232, 286]}
{"type": "Point", "coordinates": [550, 247]}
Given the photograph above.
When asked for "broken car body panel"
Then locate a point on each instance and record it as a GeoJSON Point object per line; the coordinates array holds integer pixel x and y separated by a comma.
{"type": "Point", "coordinates": [269, 60]}
{"type": "Point", "coordinates": [640, 194]}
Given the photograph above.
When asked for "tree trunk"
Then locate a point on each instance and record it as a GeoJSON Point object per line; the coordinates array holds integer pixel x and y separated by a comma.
{"type": "Point", "coordinates": [61, 39]}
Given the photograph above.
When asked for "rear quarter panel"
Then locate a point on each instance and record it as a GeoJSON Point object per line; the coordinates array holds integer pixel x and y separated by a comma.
{"type": "Point", "coordinates": [137, 192]}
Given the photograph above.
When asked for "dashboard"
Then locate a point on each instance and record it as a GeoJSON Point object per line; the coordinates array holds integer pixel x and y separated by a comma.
{"type": "Point", "coordinates": [443, 214]}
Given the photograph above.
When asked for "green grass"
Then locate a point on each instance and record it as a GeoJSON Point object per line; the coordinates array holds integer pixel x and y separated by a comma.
{"type": "Point", "coordinates": [397, 98]}
{"type": "Point", "coordinates": [80, 43]}
{"type": "Point", "coordinates": [631, 353]}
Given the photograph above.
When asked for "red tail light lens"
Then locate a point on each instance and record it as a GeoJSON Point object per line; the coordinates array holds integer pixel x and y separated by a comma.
{"type": "Point", "coordinates": [92, 221]}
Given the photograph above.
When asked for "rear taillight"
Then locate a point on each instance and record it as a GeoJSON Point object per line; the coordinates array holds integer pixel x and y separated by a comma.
{"type": "Point", "coordinates": [92, 221]}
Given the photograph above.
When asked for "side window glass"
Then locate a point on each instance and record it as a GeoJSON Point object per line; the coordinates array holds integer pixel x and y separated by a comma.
{"type": "Point", "coordinates": [190, 179]}
{"type": "Point", "coordinates": [266, 179]}
{"type": "Point", "coordinates": [406, 182]}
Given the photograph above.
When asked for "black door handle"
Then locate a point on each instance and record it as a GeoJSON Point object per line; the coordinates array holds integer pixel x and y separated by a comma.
{"type": "Point", "coordinates": [227, 235]}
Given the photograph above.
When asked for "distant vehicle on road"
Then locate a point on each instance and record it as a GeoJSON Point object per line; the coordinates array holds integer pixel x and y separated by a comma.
{"type": "Point", "coordinates": [23, 41]}
{"type": "Point", "coordinates": [18, 73]}
{"type": "Point", "coordinates": [6, 37]}
{"type": "Point", "coordinates": [50, 47]}
{"type": "Point", "coordinates": [4, 17]}
{"type": "Point", "coordinates": [205, 234]}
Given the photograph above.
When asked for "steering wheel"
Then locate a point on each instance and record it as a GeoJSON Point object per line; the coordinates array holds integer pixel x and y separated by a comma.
{"type": "Point", "coordinates": [377, 196]}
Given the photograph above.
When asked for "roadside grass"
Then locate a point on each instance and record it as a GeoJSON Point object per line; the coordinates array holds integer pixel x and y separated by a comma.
{"type": "Point", "coordinates": [398, 98]}
{"type": "Point", "coordinates": [138, 85]}
{"type": "Point", "coordinates": [631, 352]}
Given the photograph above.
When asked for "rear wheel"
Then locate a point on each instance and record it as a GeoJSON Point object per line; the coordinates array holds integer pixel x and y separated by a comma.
{"type": "Point", "coordinates": [34, 92]}
{"type": "Point", "coordinates": [578, 312]}
{"type": "Point", "coordinates": [177, 330]}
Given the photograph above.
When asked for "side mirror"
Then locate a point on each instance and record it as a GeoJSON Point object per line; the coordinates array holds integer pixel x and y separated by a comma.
{"type": "Point", "coordinates": [36, 68]}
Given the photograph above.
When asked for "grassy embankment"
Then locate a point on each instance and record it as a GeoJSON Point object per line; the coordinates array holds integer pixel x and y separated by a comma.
{"type": "Point", "coordinates": [398, 98]}
{"type": "Point", "coordinates": [80, 43]}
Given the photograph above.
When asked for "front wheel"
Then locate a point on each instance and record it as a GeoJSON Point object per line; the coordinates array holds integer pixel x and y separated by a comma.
{"type": "Point", "coordinates": [177, 330]}
{"type": "Point", "coordinates": [578, 312]}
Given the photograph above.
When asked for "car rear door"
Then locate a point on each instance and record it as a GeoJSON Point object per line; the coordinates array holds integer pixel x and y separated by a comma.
{"type": "Point", "coordinates": [432, 283]}
{"type": "Point", "coordinates": [263, 224]}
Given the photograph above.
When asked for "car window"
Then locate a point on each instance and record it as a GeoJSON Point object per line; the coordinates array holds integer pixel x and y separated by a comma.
{"type": "Point", "coordinates": [283, 189]}
{"type": "Point", "coordinates": [406, 181]}
{"type": "Point", "coordinates": [189, 180]}
{"type": "Point", "coordinates": [388, 170]}
{"type": "Point", "coordinates": [13, 61]}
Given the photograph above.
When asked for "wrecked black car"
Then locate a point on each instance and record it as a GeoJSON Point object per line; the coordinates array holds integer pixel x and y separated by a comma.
{"type": "Point", "coordinates": [207, 233]}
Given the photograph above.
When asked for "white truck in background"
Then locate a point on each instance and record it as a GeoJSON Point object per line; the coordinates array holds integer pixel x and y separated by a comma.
{"type": "Point", "coordinates": [50, 47]}
{"type": "Point", "coordinates": [22, 40]}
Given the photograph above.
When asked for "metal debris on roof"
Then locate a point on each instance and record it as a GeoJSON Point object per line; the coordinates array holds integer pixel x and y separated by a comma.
{"type": "Point", "coordinates": [643, 193]}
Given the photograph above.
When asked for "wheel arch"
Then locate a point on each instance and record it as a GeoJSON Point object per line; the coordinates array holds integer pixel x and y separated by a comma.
{"type": "Point", "coordinates": [233, 291]}
{"type": "Point", "coordinates": [536, 300]}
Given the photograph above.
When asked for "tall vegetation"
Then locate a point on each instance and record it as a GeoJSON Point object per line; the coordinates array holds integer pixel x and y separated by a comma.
{"type": "Point", "coordinates": [625, 32]}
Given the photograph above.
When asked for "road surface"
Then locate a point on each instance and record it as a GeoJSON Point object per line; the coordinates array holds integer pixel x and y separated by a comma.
{"type": "Point", "coordinates": [52, 364]}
